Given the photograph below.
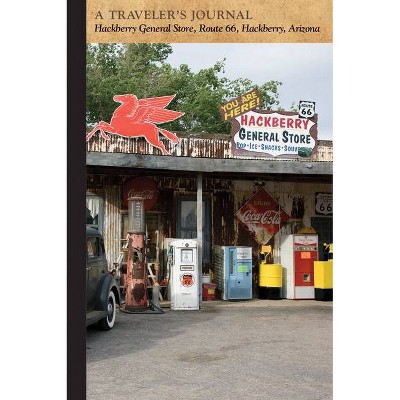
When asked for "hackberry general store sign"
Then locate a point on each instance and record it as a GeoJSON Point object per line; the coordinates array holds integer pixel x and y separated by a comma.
{"type": "Point", "coordinates": [262, 216]}
{"type": "Point", "coordinates": [274, 134]}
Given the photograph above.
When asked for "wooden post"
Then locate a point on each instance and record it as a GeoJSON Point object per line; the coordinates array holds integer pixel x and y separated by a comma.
{"type": "Point", "coordinates": [200, 232]}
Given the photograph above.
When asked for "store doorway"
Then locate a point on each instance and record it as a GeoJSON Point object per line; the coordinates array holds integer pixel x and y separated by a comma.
{"type": "Point", "coordinates": [324, 228]}
{"type": "Point", "coordinates": [186, 227]}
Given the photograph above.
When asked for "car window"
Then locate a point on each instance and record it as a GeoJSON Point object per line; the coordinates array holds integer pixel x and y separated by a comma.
{"type": "Point", "coordinates": [93, 248]}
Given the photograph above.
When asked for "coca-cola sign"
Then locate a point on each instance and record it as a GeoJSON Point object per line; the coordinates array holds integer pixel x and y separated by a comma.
{"type": "Point", "coordinates": [262, 216]}
{"type": "Point", "coordinates": [141, 187]}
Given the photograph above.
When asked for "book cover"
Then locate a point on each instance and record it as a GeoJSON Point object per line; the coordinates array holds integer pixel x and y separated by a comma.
{"type": "Point", "coordinates": [209, 122]}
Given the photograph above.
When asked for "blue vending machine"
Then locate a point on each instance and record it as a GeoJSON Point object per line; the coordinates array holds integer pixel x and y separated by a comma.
{"type": "Point", "coordinates": [233, 272]}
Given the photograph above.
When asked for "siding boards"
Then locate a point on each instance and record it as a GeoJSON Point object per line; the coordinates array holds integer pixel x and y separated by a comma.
{"type": "Point", "coordinates": [189, 145]}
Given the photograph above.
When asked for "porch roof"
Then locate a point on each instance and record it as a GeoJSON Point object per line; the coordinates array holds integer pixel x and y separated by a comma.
{"type": "Point", "coordinates": [210, 166]}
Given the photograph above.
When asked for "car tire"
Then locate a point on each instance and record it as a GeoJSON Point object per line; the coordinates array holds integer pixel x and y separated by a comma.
{"type": "Point", "coordinates": [107, 323]}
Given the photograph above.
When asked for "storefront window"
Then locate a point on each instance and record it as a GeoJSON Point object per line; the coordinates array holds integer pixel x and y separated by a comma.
{"type": "Point", "coordinates": [93, 247]}
{"type": "Point", "coordinates": [187, 222]}
{"type": "Point", "coordinates": [94, 212]}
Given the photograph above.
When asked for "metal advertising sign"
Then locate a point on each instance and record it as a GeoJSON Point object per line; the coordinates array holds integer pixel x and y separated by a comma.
{"type": "Point", "coordinates": [139, 118]}
{"type": "Point", "coordinates": [306, 109]}
{"type": "Point", "coordinates": [240, 105]}
{"type": "Point", "coordinates": [274, 134]}
{"type": "Point", "coordinates": [323, 203]}
{"type": "Point", "coordinates": [187, 280]}
{"type": "Point", "coordinates": [141, 187]}
{"type": "Point", "coordinates": [262, 216]}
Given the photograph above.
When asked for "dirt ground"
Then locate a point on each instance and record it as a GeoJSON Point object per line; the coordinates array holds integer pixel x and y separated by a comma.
{"type": "Point", "coordinates": [255, 349]}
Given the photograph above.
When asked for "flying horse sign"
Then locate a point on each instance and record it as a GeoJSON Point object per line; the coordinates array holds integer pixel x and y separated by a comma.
{"type": "Point", "coordinates": [138, 118]}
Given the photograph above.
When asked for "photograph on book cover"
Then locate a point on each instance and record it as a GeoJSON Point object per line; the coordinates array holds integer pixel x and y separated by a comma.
{"type": "Point", "coordinates": [209, 199]}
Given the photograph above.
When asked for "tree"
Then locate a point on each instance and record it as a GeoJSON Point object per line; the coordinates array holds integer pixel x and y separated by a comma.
{"type": "Point", "coordinates": [142, 69]}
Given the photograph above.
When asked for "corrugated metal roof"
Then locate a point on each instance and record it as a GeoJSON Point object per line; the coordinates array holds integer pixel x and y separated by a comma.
{"type": "Point", "coordinates": [197, 145]}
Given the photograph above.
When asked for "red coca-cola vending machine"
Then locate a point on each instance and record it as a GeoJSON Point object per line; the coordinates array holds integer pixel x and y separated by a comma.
{"type": "Point", "coordinates": [298, 253]}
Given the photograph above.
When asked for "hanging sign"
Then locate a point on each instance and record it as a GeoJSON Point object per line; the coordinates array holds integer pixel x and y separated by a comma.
{"type": "Point", "coordinates": [240, 105]}
{"type": "Point", "coordinates": [141, 187]}
{"type": "Point", "coordinates": [274, 134]}
{"type": "Point", "coordinates": [262, 216]}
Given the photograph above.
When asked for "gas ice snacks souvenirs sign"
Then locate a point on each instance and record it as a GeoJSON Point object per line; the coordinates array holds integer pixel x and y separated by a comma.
{"type": "Point", "coordinates": [262, 216]}
{"type": "Point", "coordinates": [137, 118]}
{"type": "Point", "coordinates": [274, 134]}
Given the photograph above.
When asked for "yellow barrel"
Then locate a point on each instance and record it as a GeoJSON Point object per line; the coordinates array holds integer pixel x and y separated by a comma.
{"type": "Point", "coordinates": [323, 280]}
{"type": "Point", "coordinates": [270, 275]}
{"type": "Point", "coordinates": [270, 281]}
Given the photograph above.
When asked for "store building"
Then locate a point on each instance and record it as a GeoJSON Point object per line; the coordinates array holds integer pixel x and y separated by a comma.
{"type": "Point", "coordinates": [197, 190]}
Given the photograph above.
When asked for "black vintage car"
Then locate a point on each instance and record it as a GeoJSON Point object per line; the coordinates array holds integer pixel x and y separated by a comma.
{"type": "Point", "coordinates": [102, 293]}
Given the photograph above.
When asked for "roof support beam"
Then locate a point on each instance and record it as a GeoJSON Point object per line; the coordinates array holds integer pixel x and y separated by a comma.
{"type": "Point", "coordinates": [206, 165]}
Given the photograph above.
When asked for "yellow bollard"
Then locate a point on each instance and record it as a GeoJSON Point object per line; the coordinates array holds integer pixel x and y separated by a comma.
{"type": "Point", "coordinates": [323, 280]}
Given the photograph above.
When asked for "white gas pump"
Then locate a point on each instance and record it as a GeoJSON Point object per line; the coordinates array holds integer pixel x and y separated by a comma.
{"type": "Point", "coordinates": [185, 276]}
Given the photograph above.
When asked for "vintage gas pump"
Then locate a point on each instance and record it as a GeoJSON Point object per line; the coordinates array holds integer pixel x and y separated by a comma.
{"type": "Point", "coordinates": [185, 276]}
{"type": "Point", "coordinates": [136, 279]}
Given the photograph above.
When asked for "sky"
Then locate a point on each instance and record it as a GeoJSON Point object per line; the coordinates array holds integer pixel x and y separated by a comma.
{"type": "Point", "coordinates": [305, 70]}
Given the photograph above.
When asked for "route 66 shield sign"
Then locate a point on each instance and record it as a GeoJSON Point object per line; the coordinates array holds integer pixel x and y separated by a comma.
{"type": "Point", "coordinates": [306, 109]}
{"type": "Point", "coordinates": [323, 204]}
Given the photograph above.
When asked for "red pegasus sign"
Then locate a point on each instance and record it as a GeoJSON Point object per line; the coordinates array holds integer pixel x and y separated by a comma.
{"type": "Point", "coordinates": [136, 118]}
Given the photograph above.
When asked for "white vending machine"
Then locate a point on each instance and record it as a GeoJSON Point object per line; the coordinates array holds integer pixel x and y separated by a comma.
{"type": "Point", "coordinates": [298, 253]}
{"type": "Point", "coordinates": [185, 276]}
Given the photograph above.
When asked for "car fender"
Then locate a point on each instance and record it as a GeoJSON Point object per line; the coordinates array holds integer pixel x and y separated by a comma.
{"type": "Point", "coordinates": [107, 283]}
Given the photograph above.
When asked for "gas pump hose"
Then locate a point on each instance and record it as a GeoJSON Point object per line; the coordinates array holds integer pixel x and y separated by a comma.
{"type": "Point", "coordinates": [157, 310]}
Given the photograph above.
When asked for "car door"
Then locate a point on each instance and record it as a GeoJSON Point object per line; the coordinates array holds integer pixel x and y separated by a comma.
{"type": "Point", "coordinates": [94, 269]}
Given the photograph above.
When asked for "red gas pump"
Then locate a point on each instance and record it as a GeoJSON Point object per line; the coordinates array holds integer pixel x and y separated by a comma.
{"type": "Point", "coordinates": [136, 280]}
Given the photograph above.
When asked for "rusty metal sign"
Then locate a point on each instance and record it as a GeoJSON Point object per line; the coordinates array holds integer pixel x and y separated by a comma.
{"type": "Point", "coordinates": [262, 216]}
{"type": "Point", "coordinates": [141, 187]}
